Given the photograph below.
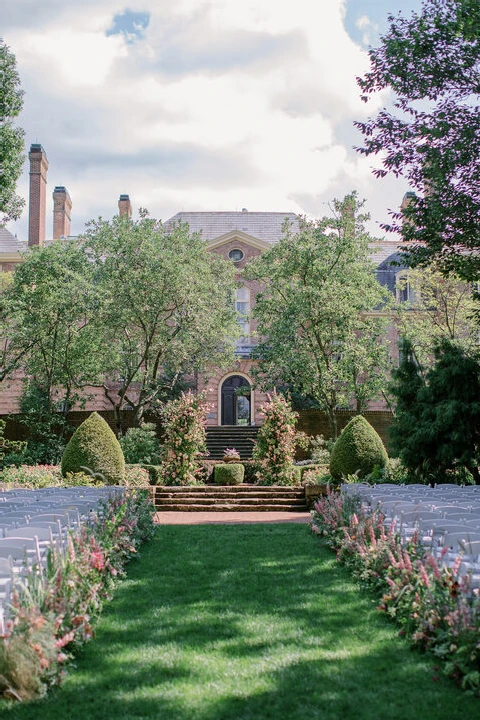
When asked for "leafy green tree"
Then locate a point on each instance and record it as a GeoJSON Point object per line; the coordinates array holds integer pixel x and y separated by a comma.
{"type": "Point", "coordinates": [436, 429]}
{"type": "Point", "coordinates": [321, 316]}
{"type": "Point", "coordinates": [431, 63]}
{"type": "Point", "coordinates": [165, 304]}
{"type": "Point", "coordinates": [442, 307]}
{"type": "Point", "coordinates": [51, 310]}
{"type": "Point", "coordinates": [11, 137]}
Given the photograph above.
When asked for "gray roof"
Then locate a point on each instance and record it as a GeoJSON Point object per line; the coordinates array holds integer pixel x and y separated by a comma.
{"type": "Point", "coordinates": [265, 226]}
{"type": "Point", "coordinates": [10, 243]}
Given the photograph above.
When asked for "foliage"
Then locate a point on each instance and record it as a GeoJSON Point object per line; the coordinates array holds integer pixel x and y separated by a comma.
{"type": "Point", "coordinates": [436, 429]}
{"type": "Point", "coordinates": [320, 291]}
{"type": "Point", "coordinates": [431, 62]}
{"type": "Point", "coordinates": [11, 137]}
{"type": "Point", "coordinates": [141, 445]}
{"type": "Point", "coordinates": [392, 472]}
{"type": "Point", "coordinates": [9, 447]}
{"type": "Point", "coordinates": [275, 444]}
{"type": "Point", "coordinates": [136, 476]}
{"type": "Point", "coordinates": [433, 603]}
{"type": "Point", "coordinates": [184, 440]}
{"type": "Point", "coordinates": [358, 450]}
{"type": "Point", "coordinates": [443, 308]}
{"type": "Point", "coordinates": [228, 474]}
{"type": "Point", "coordinates": [53, 611]}
{"type": "Point", "coordinates": [51, 312]}
{"type": "Point", "coordinates": [316, 475]}
{"type": "Point", "coordinates": [321, 449]}
{"type": "Point", "coordinates": [155, 473]}
{"type": "Point", "coordinates": [94, 447]}
{"type": "Point", "coordinates": [164, 309]}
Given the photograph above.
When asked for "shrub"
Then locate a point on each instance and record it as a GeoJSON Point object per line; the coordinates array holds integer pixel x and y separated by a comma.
{"type": "Point", "coordinates": [276, 441]}
{"type": "Point", "coordinates": [155, 473]}
{"type": "Point", "coordinates": [136, 476]}
{"type": "Point", "coordinates": [141, 445]}
{"type": "Point", "coordinates": [229, 474]}
{"type": "Point", "coordinates": [358, 450]}
{"type": "Point", "coordinates": [184, 441]}
{"type": "Point", "coordinates": [321, 450]}
{"type": "Point", "coordinates": [94, 447]}
{"type": "Point", "coordinates": [10, 448]}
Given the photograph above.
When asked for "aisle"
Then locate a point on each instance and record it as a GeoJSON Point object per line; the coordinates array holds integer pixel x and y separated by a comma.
{"type": "Point", "coordinates": [246, 622]}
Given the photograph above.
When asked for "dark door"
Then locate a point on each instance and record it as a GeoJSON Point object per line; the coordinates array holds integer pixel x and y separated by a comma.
{"type": "Point", "coordinates": [236, 401]}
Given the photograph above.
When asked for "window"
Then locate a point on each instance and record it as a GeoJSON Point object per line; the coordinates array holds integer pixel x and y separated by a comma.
{"type": "Point", "coordinates": [236, 255]}
{"type": "Point", "coordinates": [403, 289]}
{"type": "Point", "coordinates": [242, 306]}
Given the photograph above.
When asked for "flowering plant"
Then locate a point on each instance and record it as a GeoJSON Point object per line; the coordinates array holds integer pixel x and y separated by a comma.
{"type": "Point", "coordinates": [275, 446]}
{"type": "Point", "coordinates": [53, 609]}
{"type": "Point", "coordinates": [434, 603]}
{"type": "Point", "coordinates": [185, 440]}
{"type": "Point", "coordinates": [231, 454]}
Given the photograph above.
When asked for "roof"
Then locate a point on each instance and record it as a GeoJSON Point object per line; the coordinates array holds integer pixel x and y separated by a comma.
{"type": "Point", "coordinates": [10, 243]}
{"type": "Point", "coordinates": [265, 226]}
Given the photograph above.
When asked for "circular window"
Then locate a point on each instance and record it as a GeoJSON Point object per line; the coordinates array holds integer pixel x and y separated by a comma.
{"type": "Point", "coordinates": [236, 255]}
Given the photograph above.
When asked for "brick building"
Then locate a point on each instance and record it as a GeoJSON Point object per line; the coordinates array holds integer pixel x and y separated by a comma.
{"type": "Point", "coordinates": [236, 236]}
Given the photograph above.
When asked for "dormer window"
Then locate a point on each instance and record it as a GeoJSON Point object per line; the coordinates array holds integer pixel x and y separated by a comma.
{"type": "Point", "coordinates": [236, 255]}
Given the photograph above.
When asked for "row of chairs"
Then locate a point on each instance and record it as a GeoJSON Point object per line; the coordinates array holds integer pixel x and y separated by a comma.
{"type": "Point", "coordinates": [33, 522]}
{"type": "Point", "coordinates": [446, 519]}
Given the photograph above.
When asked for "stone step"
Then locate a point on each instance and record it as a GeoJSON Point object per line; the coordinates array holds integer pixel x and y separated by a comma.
{"type": "Point", "coordinates": [230, 507]}
{"type": "Point", "coordinates": [271, 490]}
{"type": "Point", "coordinates": [210, 501]}
{"type": "Point", "coordinates": [239, 498]}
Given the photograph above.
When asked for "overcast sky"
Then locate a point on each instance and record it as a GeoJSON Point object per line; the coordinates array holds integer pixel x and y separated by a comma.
{"type": "Point", "coordinates": [198, 104]}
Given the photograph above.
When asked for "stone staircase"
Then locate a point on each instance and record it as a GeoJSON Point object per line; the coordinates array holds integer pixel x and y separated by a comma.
{"type": "Point", "coordinates": [236, 498]}
{"type": "Point", "coordinates": [231, 436]}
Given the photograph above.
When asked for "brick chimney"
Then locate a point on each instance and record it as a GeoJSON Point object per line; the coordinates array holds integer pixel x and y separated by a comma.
{"type": "Point", "coordinates": [62, 212]}
{"type": "Point", "coordinates": [38, 195]}
{"type": "Point", "coordinates": [124, 206]}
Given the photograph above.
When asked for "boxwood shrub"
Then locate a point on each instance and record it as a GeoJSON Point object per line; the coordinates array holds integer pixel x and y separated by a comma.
{"type": "Point", "coordinates": [94, 448]}
{"type": "Point", "coordinates": [229, 474]}
{"type": "Point", "coordinates": [358, 450]}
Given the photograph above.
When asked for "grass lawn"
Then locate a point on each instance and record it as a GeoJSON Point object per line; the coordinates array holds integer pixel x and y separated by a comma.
{"type": "Point", "coordinates": [246, 622]}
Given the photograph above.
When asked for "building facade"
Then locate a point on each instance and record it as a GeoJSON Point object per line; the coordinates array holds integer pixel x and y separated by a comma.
{"type": "Point", "coordinates": [236, 236]}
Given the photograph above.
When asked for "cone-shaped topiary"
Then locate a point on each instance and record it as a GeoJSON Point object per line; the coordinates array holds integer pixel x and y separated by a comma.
{"type": "Point", "coordinates": [93, 445]}
{"type": "Point", "coordinates": [358, 450]}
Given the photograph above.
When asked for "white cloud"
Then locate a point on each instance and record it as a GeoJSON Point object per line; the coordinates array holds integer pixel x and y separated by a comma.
{"type": "Point", "coordinates": [222, 104]}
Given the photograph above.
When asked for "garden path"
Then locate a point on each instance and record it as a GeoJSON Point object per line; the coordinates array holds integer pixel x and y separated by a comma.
{"type": "Point", "coordinates": [228, 518]}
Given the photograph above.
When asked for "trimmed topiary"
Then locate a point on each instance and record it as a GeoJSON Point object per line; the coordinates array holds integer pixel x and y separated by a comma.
{"type": "Point", "coordinates": [228, 474]}
{"type": "Point", "coordinates": [358, 450]}
{"type": "Point", "coordinates": [93, 445]}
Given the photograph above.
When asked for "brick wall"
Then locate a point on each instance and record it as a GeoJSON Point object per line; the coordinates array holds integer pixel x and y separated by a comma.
{"type": "Point", "coordinates": [314, 422]}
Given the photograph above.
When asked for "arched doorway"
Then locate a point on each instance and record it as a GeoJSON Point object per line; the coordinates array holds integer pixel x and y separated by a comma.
{"type": "Point", "coordinates": [236, 401]}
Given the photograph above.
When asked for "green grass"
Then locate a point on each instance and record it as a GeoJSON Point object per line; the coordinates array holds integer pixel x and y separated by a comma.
{"type": "Point", "coordinates": [246, 622]}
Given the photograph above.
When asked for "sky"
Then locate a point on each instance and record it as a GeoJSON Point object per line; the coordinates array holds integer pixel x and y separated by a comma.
{"type": "Point", "coordinates": [199, 104]}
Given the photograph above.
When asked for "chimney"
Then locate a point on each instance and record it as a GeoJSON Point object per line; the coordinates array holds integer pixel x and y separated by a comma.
{"type": "Point", "coordinates": [62, 212]}
{"type": "Point", "coordinates": [124, 206]}
{"type": "Point", "coordinates": [38, 195]}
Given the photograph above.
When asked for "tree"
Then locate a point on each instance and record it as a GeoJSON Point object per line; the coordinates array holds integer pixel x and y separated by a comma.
{"type": "Point", "coordinates": [431, 63]}
{"type": "Point", "coordinates": [11, 137]}
{"type": "Point", "coordinates": [436, 430]}
{"type": "Point", "coordinates": [50, 312]}
{"type": "Point", "coordinates": [165, 309]}
{"type": "Point", "coordinates": [442, 307]}
{"type": "Point", "coordinates": [322, 313]}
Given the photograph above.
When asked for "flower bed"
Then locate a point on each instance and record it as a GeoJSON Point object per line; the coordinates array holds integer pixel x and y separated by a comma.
{"type": "Point", "coordinates": [53, 610]}
{"type": "Point", "coordinates": [435, 605]}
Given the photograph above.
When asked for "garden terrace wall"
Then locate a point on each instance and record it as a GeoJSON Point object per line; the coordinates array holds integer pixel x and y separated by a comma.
{"type": "Point", "coordinates": [15, 430]}
{"type": "Point", "coordinates": [314, 422]}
